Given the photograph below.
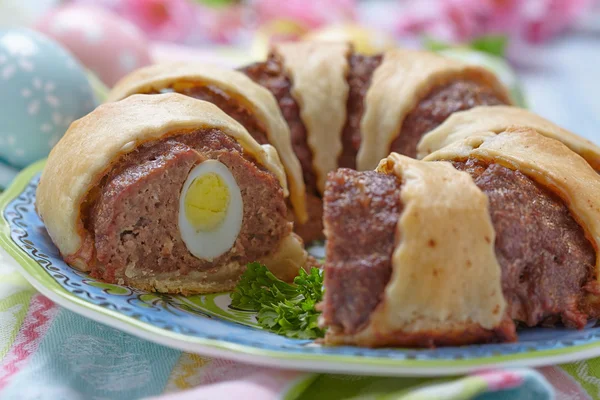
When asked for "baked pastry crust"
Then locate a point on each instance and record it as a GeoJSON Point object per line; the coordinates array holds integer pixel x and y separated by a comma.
{"type": "Point", "coordinates": [258, 100]}
{"type": "Point", "coordinates": [430, 297]}
{"type": "Point", "coordinates": [496, 119]}
{"type": "Point", "coordinates": [548, 162]}
{"type": "Point", "coordinates": [318, 74]}
{"type": "Point", "coordinates": [284, 263]}
{"type": "Point", "coordinates": [403, 78]}
{"type": "Point", "coordinates": [87, 150]}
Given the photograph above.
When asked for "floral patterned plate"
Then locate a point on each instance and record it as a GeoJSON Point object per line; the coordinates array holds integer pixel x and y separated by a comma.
{"type": "Point", "coordinates": [206, 325]}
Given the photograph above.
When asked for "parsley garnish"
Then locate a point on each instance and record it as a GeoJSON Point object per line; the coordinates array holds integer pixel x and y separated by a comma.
{"type": "Point", "coordinates": [282, 308]}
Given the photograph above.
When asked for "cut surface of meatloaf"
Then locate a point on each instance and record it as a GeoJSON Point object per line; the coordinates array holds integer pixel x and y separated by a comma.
{"type": "Point", "coordinates": [134, 215]}
{"type": "Point", "coordinates": [361, 212]}
{"type": "Point", "coordinates": [545, 258]}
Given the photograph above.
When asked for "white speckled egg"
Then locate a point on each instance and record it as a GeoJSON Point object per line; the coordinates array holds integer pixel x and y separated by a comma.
{"type": "Point", "coordinates": [42, 90]}
{"type": "Point", "coordinates": [104, 42]}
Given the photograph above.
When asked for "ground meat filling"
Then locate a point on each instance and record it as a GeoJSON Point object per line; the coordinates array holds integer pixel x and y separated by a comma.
{"type": "Point", "coordinates": [271, 75]}
{"type": "Point", "coordinates": [360, 71]}
{"type": "Point", "coordinates": [225, 102]}
{"type": "Point", "coordinates": [135, 218]}
{"type": "Point", "coordinates": [361, 213]}
{"type": "Point", "coordinates": [545, 258]}
{"type": "Point", "coordinates": [442, 101]}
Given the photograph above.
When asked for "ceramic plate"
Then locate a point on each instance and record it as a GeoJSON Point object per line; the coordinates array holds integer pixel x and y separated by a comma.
{"type": "Point", "coordinates": [206, 325]}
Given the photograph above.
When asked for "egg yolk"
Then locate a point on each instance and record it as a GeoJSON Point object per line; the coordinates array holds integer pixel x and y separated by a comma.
{"type": "Point", "coordinates": [206, 202]}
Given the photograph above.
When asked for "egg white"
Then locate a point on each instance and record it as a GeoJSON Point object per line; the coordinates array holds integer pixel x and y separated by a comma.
{"type": "Point", "coordinates": [208, 245]}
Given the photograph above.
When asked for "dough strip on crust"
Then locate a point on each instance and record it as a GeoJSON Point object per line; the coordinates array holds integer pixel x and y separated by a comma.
{"type": "Point", "coordinates": [497, 119]}
{"type": "Point", "coordinates": [403, 78]}
{"type": "Point", "coordinates": [319, 86]}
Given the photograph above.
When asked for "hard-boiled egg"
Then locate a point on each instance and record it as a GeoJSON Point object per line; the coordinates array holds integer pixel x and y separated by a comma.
{"type": "Point", "coordinates": [210, 210]}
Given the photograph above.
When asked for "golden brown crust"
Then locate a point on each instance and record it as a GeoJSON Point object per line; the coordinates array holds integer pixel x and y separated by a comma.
{"type": "Point", "coordinates": [258, 100]}
{"type": "Point", "coordinates": [449, 336]}
{"type": "Point", "coordinates": [403, 78]}
{"type": "Point", "coordinates": [284, 263]}
{"type": "Point", "coordinates": [496, 119]}
{"type": "Point", "coordinates": [92, 143]}
{"type": "Point", "coordinates": [220, 279]}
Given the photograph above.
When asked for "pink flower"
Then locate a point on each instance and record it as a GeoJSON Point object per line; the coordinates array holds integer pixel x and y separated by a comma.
{"type": "Point", "coordinates": [169, 20]}
{"type": "Point", "coordinates": [220, 25]}
{"type": "Point", "coordinates": [442, 19]}
{"type": "Point", "coordinates": [461, 20]}
{"type": "Point", "coordinates": [545, 19]}
{"type": "Point", "coordinates": [311, 13]}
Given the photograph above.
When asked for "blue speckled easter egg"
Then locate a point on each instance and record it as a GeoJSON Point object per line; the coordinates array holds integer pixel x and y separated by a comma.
{"type": "Point", "coordinates": [42, 90]}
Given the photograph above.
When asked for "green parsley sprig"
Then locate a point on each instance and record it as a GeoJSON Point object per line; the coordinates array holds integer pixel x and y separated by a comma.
{"type": "Point", "coordinates": [282, 308]}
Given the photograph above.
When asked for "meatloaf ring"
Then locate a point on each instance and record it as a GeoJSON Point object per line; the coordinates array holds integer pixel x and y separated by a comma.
{"type": "Point", "coordinates": [496, 119]}
{"type": "Point", "coordinates": [451, 253]}
{"type": "Point", "coordinates": [341, 108]}
{"type": "Point", "coordinates": [167, 193]}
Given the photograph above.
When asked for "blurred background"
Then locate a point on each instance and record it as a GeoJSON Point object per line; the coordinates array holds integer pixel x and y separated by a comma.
{"type": "Point", "coordinates": [546, 51]}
